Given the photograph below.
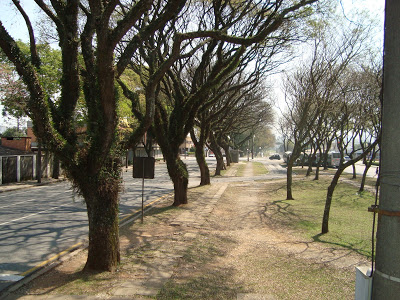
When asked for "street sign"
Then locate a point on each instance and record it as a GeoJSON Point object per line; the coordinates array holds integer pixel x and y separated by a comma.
{"type": "Point", "coordinates": [143, 167]}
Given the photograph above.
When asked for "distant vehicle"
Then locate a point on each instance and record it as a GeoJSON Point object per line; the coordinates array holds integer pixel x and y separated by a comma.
{"type": "Point", "coordinates": [347, 158]}
{"type": "Point", "coordinates": [275, 156]}
{"type": "Point", "coordinates": [211, 154]}
{"type": "Point", "coordinates": [334, 159]}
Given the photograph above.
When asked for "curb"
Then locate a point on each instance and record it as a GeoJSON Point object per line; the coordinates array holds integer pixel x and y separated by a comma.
{"type": "Point", "coordinates": [57, 260]}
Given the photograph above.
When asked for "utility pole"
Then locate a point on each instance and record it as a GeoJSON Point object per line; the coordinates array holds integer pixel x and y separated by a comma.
{"type": "Point", "coordinates": [386, 278]}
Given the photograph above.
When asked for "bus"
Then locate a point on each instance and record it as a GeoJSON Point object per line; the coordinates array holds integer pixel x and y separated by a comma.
{"type": "Point", "coordinates": [334, 159]}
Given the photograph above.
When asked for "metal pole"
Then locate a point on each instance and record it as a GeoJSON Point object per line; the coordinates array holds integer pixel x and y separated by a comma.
{"type": "Point", "coordinates": [142, 219]}
{"type": "Point", "coordinates": [386, 278]}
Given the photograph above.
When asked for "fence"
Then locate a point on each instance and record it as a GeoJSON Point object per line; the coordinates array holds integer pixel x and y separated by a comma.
{"type": "Point", "coordinates": [17, 168]}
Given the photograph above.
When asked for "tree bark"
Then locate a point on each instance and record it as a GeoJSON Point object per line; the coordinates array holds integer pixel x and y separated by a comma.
{"type": "Point", "coordinates": [56, 167]}
{"type": "Point", "coordinates": [316, 173]}
{"type": "Point", "coordinates": [218, 155]}
{"type": "Point", "coordinates": [227, 154]}
{"type": "Point", "coordinates": [102, 209]}
{"type": "Point", "coordinates": [309, 169]}
{"type": "Point", "coordinates": [354, 171]}
{"type": "Point", "coordinates": [200, 157]}
{"type": "Point", "coordinates": [289, 179]}
{"type": "Point", "coordinates": [367, 167]}
{"type": "Point", "coordinates": [179, 175]}
{"type": "Point", "coordinates": [204, 170]}
{"type": "Point", "coordinates": [220, 164]}
{"type": "Point", "coordinates": [328, 201]}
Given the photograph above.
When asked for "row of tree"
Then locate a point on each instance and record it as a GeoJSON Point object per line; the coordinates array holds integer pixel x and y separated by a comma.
{"type": "Point", "coordinates": [334, 102]}
{"type": "Point", "coordinates": [192, 59]}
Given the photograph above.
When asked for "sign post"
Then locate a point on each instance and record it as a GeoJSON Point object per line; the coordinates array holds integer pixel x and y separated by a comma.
{"type": "Point", "coordinates": [143, 167]}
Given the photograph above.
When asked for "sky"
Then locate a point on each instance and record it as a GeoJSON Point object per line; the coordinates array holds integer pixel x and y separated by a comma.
{"type": "Point", "coordinates": [15, 24]}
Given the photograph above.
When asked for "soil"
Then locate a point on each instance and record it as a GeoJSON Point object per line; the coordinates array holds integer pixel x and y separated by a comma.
{"type": "Point", "coordinates": [236, 251]}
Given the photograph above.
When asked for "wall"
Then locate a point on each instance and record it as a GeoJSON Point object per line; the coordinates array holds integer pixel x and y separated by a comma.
{"type": "Point", "coordinates": [20, 143]}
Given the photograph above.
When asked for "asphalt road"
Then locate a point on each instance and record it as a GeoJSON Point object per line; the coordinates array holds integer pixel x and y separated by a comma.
{"type": "Point", "coordinates": [40, 222]}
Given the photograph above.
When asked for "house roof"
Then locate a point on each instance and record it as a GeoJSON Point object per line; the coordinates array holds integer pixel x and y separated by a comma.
{"type": "Point", "coordinates": [4, 151]}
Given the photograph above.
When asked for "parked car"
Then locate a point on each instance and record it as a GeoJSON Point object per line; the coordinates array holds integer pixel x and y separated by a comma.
{"type": "Point", "coordinates": [275, 156]}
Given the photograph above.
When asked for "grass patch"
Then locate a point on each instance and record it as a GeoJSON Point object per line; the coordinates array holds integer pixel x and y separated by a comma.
{"type": "Point", "coordinates": [350, 223]}
{"type": "Point", "coordinates": [288, 277]}
{"type": "Point", "coordinates": [240, 169]}
{"type": "Point", "coordinates": [259, 168]}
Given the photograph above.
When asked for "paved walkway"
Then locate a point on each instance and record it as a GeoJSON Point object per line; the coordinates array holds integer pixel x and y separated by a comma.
{"type": "Point", "coordinates": [27, 184]}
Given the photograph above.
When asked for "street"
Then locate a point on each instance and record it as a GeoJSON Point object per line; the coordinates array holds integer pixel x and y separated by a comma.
{"type": "Point", "coordinates": [40, 222]}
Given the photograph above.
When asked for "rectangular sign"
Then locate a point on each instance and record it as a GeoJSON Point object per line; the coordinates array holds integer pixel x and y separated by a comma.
{"type": "Point", "coordinates": [143, 167]}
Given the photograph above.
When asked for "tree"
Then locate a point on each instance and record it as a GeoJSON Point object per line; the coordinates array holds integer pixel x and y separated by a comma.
{"type": "Point", "coordinates": [215, 49]}
{"type": "Point", "coordinates": [314, 90]}
{"type": "Point", "coordinates": [87, 43]}
{"type": "Point", "coordinates": [358, 122]}
{"type": "Point", "coordinates": [13, 94]}
{"type": "Point", "coordinates": [13, 132]}
{"type": "Point", "coordinates": [13, 91]}
{"type": "Point", "coordinates": [236, 107]}
{"type": "Point", "coordinates": [246, 118]}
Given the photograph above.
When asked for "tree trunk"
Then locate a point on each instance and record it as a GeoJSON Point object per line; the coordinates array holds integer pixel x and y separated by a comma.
{"type": "Point", "coordinates": [200, 157]}
{"type": "Point", "coordinates": [367, 167]}
{"type": "Point", "coordinates": [218, 155]}
{"type": "Point", "coordinates": [56, 168]}
{"type": "Point", "coordinates": [179, 175]}
{"type": "Point", "coordinates": [289, 179]}
{"type": "Point", "coordinates": [316, 173]}
{"type": "Point", "coordinates": [220, 162]}
{"type": "Point", "coordinates": [227, 155]}
{"type": "Point", "coordinates": [328, 201]}
{"type": "Point", "coordinates": [309, 170]}
{"type": "Point", "coordinates": [204, 170]}
{"type": "Point", "coordinates": [102, 207]}
{"type": "Point", "coordinates": [101, 194]}
{"type": "Point", "coordinates": [354, 171]}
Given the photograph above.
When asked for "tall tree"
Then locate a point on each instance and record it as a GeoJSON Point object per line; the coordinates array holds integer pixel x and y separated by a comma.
{"type": "Point", "coordinates": [88, 37]}
{"type": "Point", "coordinates": [312, 91]}
{"type": "Point", "coordinates": [223, 30]}
{"type": "Point", "coordinates": [236, 107]}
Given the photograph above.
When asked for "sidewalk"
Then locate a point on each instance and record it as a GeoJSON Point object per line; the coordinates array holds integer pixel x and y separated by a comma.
{"type": "Point", "coordinates": [28, 184]}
